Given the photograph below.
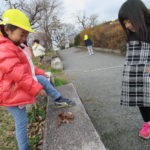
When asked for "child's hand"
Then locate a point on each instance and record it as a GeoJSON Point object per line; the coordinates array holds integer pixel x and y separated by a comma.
{"type": "Point", "coordinates": [46, 75]}
{"type": "Point", "coordinates": [41, 93]}
{"type": "Point", "coordinates": [148, 70]}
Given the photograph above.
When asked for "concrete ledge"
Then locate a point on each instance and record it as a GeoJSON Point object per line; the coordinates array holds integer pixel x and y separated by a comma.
{"type": "Point", "coordinates": [78, 135]}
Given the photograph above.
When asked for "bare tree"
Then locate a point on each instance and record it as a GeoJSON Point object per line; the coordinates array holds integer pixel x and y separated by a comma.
{"type": "Point", "coordinates": [41, 14]}
{"type": "Point", "coordinates": [64, 33]}
{"type": "Point", "coordinates": [85, 21]}
{"type": "Point", "coordinates": [11, 4]}
{"type": "Point", "coordinates": [32, 9]}
{"type": "Point", "coordinates": [93, 20]}
{"type": "Point", "coordinates": [44, 18]}
{"type": "Point", "coordinates": [49, 21]}
{"type": "Point", "coordinates": [82, 20]}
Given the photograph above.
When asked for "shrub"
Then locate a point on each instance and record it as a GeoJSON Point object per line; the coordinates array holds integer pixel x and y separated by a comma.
{"type": "Point", "coordinates": [77, 40]}
{"type": "Point", "coordinates": [106, 35]}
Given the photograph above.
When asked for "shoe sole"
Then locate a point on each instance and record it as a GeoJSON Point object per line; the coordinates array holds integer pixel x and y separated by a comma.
{"type": "Point", "coordinates": [144, 137]}
{"type": "Point", "coordinates": [63, 105]}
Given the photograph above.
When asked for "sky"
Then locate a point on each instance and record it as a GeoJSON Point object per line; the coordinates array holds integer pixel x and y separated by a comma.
{"type": "Point", "coordinates": [106, 9]}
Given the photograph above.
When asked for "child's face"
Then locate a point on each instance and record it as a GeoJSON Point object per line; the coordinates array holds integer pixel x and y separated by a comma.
{"type": "Point", "coordinates": [17, 36]}
{"type": "Point", "coordinates": [129, 25]}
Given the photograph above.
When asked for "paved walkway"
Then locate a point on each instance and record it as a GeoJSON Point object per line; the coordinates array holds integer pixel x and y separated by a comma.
{"type": "Point", "coordinates": [97, 79]}
{"type": "Point", "coordinates": [77, 135]}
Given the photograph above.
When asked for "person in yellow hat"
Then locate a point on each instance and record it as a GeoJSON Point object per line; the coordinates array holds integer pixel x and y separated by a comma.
{"type": "Point", "coordinates": [20, 80]}
{"type": "Point", "coordinates": [18, 83]}
{"type": "Point", "coordinates": [88, 44]}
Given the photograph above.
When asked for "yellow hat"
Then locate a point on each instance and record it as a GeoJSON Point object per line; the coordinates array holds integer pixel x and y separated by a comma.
{"type": "Point", "coordinates": [17, 18]}
{"type": "Point", "coordinates": [85, 37]}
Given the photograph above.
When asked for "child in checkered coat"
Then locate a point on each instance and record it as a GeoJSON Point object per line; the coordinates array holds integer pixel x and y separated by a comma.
{"type": "Point", "coordinates": [134, 18]}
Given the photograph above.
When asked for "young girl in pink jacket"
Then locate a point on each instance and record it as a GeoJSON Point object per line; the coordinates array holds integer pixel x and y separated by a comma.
{"type": "Point", "coordinates": [19, 84]}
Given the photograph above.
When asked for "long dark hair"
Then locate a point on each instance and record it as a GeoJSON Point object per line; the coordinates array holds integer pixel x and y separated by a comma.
{"type": "Point", "coordinates": [11, 28]}
{"type": "Point", "coordinates": [36, 41]}
{"type": "Point", "coordinates": [139, 16]}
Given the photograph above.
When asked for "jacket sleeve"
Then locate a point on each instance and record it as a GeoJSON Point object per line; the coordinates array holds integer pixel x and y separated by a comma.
{"type": "Point", "coordinates": [41, 48]}
{"type": "Point", "coordinates": [14, 70]}
{"type": "Point", "coordinates": [85, 42]}
{"type": "Point", "coordinates": [39, 71]}
{"type": "Point", "coordinates": [91, 42]}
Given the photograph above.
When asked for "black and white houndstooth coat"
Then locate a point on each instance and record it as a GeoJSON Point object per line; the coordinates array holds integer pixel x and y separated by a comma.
{"type": "Point", "coordinates": [136, 79]}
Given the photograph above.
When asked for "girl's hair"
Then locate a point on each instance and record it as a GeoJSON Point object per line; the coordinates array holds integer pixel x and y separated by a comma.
{"type": "Point", "coordinates": [136, 12]}
{"type": "Point", "coordinates": [36, 41]}
{"type": "Point", "coordinates": [10, 27]}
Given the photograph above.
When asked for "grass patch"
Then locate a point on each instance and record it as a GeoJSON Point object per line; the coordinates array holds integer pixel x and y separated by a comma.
{"type": "Point", "coordinates": [50, 53]}
{"type": "Point", "coordinates": [45, 66]}
{"type": "Point", "coordinates": [7, 131]}
{"type": "Point", "coordinates": [37, 111]}
{"type": "Point", "coordinates": [36, 126]}
{"type": "Point", "coordinates": [59, 82]}
{"type": "Point", "coordinates": [34, 141]}
{"type": "Point", "coordinates": [55, 70]}
{"type": "Point", "coordinates": [35, 129]}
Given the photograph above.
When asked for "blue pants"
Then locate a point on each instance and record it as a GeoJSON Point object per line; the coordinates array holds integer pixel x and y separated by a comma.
{"type": "Point", "coordinates": [50, 90]}
{"type": "Point", "coordinates": [21, 123]}
{"type": "Point", "coordinates": [20, 116]}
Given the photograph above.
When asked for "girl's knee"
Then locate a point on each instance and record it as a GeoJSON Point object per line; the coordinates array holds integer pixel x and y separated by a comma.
{"type": "Point", "coordinates": [41, 77]}
{"type": "Point", "coordinates": [42, 80]}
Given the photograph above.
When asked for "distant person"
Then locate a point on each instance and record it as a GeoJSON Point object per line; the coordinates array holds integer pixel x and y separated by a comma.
{"type": "Point", "coordinates": [135, 20]}
{"type": "Point", "coordinates": [38, 50]}
{"type": "Point", "coordinates": [88, 44]}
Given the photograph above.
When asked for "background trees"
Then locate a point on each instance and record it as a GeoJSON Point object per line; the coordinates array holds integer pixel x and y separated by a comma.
{"type": "Point", "coordinates": [84, 21]}
{"type": "Point", "coordinates": [44, 17]}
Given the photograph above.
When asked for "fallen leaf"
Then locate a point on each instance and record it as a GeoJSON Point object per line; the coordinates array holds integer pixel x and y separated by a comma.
{"type": "Point", "coordinates": [65, 117]}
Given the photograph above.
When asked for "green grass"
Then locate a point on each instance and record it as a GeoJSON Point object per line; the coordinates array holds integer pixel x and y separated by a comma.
{"type": "Point", "coordinates": [45, 66]}
{"type": "Point", "coordinates": [36, 118]}
{"type": "Point", "coordinates": [59, 82]}
{"type": "Point", "coordinates": [36, 112]}
{"type": "Point", "coordinates": [7, 128]}
{"type": "Point", "coordinates": [50, 53]}
{"type": "Point", "coordinates": [34, 141]}
{"type": "Point", "coordinates": [55, 70]}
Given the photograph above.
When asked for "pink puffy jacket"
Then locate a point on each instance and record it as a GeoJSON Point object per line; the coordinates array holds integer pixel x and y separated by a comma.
{"type": "Point", "coordinates": [17, 85]}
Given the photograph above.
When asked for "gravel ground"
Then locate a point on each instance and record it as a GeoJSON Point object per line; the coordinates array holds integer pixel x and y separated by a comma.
{"type": "Point", "coordinates": [97, 79]}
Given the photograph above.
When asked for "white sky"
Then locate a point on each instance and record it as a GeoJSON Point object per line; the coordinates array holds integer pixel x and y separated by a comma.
{"type": "Point", "coordinates": [105, 9]}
